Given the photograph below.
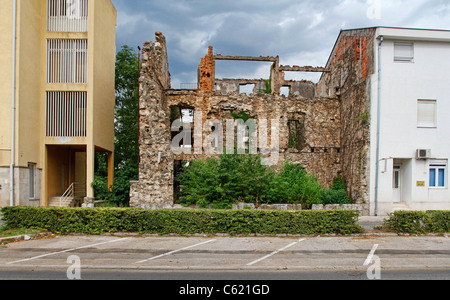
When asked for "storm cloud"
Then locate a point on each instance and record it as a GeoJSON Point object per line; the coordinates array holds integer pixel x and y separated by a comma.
{"type": "Point", "coordinates": [301, 32]}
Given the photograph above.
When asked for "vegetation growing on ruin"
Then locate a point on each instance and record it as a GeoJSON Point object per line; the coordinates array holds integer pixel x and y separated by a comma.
{"type": "Point", "coordinates": [230, 178]}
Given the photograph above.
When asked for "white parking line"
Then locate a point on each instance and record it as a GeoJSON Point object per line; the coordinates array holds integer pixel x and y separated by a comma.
{"type": "Point", "coordinates": [275, 252]}
{"type": "Point", "coordinates": [63, 251]}
{"type": "Point", "coordinates": [174, 251]}
{"type": "Point", "coordinates": [370, 256]}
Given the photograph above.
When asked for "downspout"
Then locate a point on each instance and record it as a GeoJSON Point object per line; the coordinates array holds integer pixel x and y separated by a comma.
{"type": "Point", "coordinates": [378, 126]}
{"type": "Point", "coordinates": [13, 107]}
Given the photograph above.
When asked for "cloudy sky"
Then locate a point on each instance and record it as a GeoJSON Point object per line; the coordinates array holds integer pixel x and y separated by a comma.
{"type": "Point", "coordinates": [301, 32]}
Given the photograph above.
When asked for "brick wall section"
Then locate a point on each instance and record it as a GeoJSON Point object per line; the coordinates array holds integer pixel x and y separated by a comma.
{"type": "Point", "coordinates": [207, 72]}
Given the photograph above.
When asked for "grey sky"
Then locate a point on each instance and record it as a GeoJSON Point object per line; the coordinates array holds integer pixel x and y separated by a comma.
{"type": "Point", "coordinates": [301, 32]}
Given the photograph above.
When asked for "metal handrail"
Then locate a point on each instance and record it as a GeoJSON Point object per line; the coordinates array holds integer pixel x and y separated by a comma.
{"type": "Point", "coordinates": [67, 194]}
{"type": "Point", "coordinates": [72, 191]}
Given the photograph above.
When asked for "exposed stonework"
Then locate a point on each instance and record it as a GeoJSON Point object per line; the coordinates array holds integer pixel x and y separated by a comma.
{"type": "Point", "coordinates": [323, 126]}
{"type": "Point", "coordinates": [155, 185]}
{"type": "Point", "coordinates": [350, 65]}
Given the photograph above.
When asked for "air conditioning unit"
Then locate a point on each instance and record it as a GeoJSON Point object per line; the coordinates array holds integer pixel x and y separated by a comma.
{"type": "Point", "coordinates": [423, 153]}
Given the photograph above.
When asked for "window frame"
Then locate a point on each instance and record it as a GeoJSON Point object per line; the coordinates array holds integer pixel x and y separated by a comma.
{"type": "Point", "coordinates": [437, 167]}
{"type": "Point", "coordinates": [32, 181]}
{"type": "Point", "coordinates": [404, 59]}
{"type": "Point", "coordinates": [424, 124]}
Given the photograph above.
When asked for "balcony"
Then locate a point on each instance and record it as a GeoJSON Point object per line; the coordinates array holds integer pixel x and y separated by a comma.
{"type": "Point", "coordinates": [67, 15]}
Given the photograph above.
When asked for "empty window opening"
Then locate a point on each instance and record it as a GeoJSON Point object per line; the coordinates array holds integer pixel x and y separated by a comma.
{"type": "Point", "coordinates": [285, 90]}
{"type": "Point", "coordinates": [246, 88]}
{"type": "Point", "coordinates": [186, 116]}
{"type": "Point", "coordinates": [241, 69]}
{"type": "Point", "coordinates": [303, 76]}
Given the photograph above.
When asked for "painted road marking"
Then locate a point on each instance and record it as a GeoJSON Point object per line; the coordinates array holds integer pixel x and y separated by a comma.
{"type": "Point", "coordinates": [174, 251]}
{"type": "Point", "coordinates": [275, 252]}
{"type": "Point", "coordinates": [64, 251]}
{"type": "Point", "coordinates": [370, 256]}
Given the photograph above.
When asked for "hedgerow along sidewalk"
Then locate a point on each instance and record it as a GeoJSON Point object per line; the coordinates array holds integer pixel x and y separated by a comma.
{"type": "Point", "coordinates": [184, 221]}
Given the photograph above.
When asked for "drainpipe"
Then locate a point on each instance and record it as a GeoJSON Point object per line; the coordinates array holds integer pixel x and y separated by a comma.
{"type": "Point", "coordinates": [13, 107]}
{"type": "Point", "coordinates": [378, 126]}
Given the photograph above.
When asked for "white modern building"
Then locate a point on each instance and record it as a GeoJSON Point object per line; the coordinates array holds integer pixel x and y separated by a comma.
{"type": "Point", "coordinates": [399, 80]}
{"type": "Point", "coordinates": [410, 105]}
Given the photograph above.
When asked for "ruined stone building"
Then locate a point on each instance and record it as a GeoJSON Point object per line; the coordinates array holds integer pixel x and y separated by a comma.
{"type": "Point", "coordinates": [332, 127]}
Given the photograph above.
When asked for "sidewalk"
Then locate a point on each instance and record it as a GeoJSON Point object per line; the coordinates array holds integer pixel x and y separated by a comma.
{"type": "Point", "coordinates": [368, 223]}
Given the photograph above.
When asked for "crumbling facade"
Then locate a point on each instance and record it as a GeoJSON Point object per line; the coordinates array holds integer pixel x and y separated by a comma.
{"type": "Point", "coordinates": [321, 126]}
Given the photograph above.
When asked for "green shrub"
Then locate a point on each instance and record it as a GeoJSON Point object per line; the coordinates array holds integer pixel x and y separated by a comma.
{"type": "Point", "coordinates": [224, 180]}
{"type": "Point", "coordinates": [419, 222]}
{"type": "Point", "coordinates": [337, 194]}
{"type": "Point", "coordinates": [292, 185]}
{"type": "Point", "coordinates": [185, 221]}
{"type": "Point", "coordinates": [232, 178]}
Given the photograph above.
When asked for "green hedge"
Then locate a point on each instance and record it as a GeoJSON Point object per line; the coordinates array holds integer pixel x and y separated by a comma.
{"type": "Point", "coordinates": [419, 222]}
{"type": "Point", "coordinates": [183, 221]}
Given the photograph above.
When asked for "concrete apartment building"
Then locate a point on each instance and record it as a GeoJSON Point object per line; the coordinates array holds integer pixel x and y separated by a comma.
{"type": "Point", "coordinates": [57, 98]}
{"type": "Point", "coordinates": [377, 117]}
{"type": "Point", "coordinates": [399, 87]}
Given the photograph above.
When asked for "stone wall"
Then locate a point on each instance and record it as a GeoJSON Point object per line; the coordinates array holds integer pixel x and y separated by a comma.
{"type": "Point", "coordinates": [319, 116]}
{"type": "Point", "coordinates": [155, 185]}
{"type": "Point", "coordinates": [329, 119]}
{"type": "Point", "coordinates": [350, 65]}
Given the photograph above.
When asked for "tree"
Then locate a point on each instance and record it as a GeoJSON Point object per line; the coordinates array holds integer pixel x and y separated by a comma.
{"type": "Point", "coordinates": [126, 151]}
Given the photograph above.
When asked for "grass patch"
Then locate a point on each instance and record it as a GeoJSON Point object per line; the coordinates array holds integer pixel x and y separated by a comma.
{"type": "Point", "coordinates": [10, 232]}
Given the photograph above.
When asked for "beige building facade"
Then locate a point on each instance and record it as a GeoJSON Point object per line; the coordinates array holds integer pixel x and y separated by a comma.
{"type": "Point", "coordinates": [57, 99]}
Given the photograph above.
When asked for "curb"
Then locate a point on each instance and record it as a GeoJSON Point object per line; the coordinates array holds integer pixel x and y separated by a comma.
{"type": "Point", "coordinates": [22, 237]}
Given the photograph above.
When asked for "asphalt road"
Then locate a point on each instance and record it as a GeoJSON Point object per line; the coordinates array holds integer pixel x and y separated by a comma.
{"type": "Point", "coordinates": [229, 276]}
{"type": "Point", "coordinates": [227, 258]}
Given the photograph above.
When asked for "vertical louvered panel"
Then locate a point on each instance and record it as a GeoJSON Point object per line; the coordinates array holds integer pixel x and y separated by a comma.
{"type": "Point", "coordinates": [66, 114]}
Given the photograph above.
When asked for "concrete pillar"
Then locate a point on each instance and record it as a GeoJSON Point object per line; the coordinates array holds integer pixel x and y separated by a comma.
{"type": "Point", "coordinates": [90, 163]}
{"type": "Point", "coordinates": [110, 170]}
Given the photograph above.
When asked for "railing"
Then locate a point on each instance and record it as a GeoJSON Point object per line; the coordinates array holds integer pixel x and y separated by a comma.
{"type": "Point", "coordinates": [67, 61]}
{"type": "Point", "coordinates": [75, 190]}
{"type": "Point", "coordinates": [67, 15]}
{"type": "Point", "coordinates": [67, 195]}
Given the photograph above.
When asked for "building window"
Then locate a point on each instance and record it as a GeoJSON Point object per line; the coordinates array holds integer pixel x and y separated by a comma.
{"type": "Point", "coordinates": [32, 175]}
{"type": "Point", "coordinates": [67, 15]}
{"type": "Point", "coordinates": [426, 113]}
{"type": "Point", "coordinates": [438, 175]}
{"type": "Point", "coordinates": [67, 61]}
{"type": "Point", "coordinates": [403, 52]}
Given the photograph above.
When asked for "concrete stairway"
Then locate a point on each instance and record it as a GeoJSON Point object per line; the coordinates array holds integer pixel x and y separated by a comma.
{"type": "Point", "coordinates": [401, 206]}
{"type": "Point", "coordinates": [58, 201]}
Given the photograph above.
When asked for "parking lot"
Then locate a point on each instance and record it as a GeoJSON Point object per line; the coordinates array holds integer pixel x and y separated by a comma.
{"type": "Point", "coordinates": [227, 253]}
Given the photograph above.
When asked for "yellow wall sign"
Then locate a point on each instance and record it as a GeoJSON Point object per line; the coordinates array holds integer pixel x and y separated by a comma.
{"type": "Point", "coordinates": [421, 183]}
